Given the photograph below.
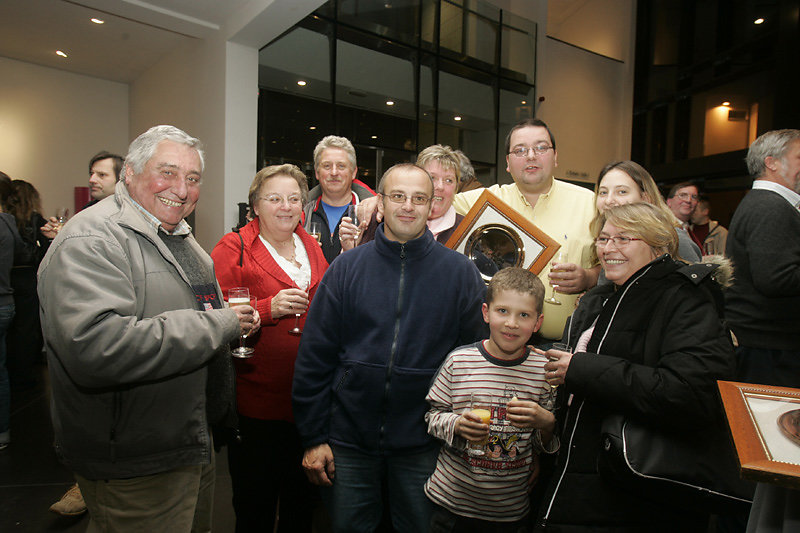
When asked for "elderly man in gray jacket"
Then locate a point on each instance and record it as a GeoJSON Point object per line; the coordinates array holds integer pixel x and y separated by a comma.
{"type": "Point", "coordinates": [137, 345]}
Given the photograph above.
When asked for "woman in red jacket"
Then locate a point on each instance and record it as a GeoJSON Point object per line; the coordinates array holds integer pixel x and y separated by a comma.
{"type": "Point", "coordinates": [282, 266]}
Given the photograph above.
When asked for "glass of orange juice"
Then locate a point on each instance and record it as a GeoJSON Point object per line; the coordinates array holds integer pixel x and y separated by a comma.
{"type": "Point", "coordinates": [480, 405]}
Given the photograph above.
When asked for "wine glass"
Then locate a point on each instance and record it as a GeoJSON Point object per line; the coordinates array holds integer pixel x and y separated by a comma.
{"type": "Point", "coordinates": [303, 286]}
{"type": "Point", "coordinates": [315, 230]}
{"type": "Point", "coordinates": [241, 296]}
{"type": "Point", "coordinates": [561, 347]}
{"type": "Point", "coordinates": [61, 217]}
{"type": "Point", "coordinates": [560, 257]}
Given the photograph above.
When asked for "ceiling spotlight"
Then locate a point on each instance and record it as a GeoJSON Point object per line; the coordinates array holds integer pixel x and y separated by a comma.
{"type": "Point", "coordinates": [726, 104]}
{"type": "Point", "coordinates": [524, 102]}
{"type": "Point", "coordinates": [98, 21]}
{"type": "Point", "coordinates": [374, 137]}
{"type": "Point", "coordinates": [60, 53]}
{"type": "Point", "coordinates": [389, 102]}
{"type": "Point", "coordinates": [301, 83]}
{"type": "Point", "coordinates": [457, 118]}
{"type": "Point", "coordinates": [758, 21]}
{"type": "Point", "coordinates": [312, 127]}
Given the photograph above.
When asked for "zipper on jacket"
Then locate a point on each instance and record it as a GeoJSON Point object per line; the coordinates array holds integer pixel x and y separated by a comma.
{"type": "Point", "coordinates": [388, 378]}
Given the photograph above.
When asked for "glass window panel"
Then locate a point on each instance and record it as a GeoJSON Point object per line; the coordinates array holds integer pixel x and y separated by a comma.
{"type": "Point", "coordinates": [469, 29]}
{"type": "Point", "coordinates": [398, 19]}
{"type": "Point", "coordinates": [518, 53]}
{"type": "Point", "coordinates": [466, 116]}
{"type": "Point", "coordinates": [382, 86]}
{"type": "Point", "coordinates": [427, 113]}
{"type": "Point", "coordinates": [299, 56]}
{"type": "Point", "coordinates": [515, 105]}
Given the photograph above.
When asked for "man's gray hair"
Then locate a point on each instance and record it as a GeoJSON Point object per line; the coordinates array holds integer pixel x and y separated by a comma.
{"type": "Point", "coordinates": [144, 146]}
{"type": "Point", "coordinates": [332, 141]}
{"type": "Point", "coordinates": [771, 144]}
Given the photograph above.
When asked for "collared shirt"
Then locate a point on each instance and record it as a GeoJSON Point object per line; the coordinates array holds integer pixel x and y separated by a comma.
{"type": "Point", "coordinates": [183, 228]}
{"type": "Point", "coordinates": [564, 213]}
{"type": "Point", "coordinates": [788, 194]}
{"type": "Point", "coordinates": [443, 223]}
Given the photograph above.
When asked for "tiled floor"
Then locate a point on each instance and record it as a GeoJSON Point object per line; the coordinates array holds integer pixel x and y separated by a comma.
{"type": "Point", "coordinates": [31, 478]}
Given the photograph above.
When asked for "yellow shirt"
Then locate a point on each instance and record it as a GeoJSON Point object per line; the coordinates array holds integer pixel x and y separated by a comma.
{"type": "Point", "coordinates": [563, 213]}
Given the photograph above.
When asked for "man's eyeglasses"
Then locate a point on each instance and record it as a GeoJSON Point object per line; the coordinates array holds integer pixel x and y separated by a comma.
{"type": "Point", "coordinates": [400, 198]}
{"type": "Point", "coordinates": [620, 241]}
{"type": "Point", "coordinates": [539, 149]}
{"type": "Point", "coordinates": [686, 196]}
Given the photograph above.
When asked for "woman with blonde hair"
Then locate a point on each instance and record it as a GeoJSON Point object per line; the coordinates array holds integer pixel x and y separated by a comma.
{"type": "Point", "coordinates": [619, 183]}
{"type": "Point", "coordinates": [650, 346]}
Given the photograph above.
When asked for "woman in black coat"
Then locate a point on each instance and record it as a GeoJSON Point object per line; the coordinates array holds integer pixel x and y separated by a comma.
{"type": "Point", "coordinates": [650, 346]}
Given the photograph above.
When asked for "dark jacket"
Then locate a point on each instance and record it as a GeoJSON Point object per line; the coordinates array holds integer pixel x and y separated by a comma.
{"type": "Point", "coordinates": [383, 319]}
{"type": "Point", "coordinates": [657, 349]}
{"type": "Point", "coordinates": [763, 305]}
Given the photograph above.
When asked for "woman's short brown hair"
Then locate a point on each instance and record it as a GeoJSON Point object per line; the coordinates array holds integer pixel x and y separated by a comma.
{"type": "Point", "coordinates": [272, 171]}
{"type": "Point", "coordinates": [644, 221]}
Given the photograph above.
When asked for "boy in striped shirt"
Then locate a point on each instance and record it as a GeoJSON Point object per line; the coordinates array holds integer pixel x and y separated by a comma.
{"type": "Point", "coordinates": [489, 492]}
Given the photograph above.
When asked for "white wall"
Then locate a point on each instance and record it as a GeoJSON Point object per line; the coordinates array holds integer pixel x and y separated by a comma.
{"type": "Point", "coordinates": [52, 122]}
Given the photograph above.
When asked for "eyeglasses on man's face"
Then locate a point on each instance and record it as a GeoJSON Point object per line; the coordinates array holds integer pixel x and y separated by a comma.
{"type": "Point", "coordinates": [685, 196]}
{"type": "Point", "coordinates": [522, 151]}
{"type": "Point", "coordinates": [620, 241]}
{"type": "Point", "coordinates": [400, 198]}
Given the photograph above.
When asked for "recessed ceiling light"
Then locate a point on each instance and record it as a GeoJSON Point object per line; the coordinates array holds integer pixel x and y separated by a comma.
{"type": "Point", "coordinates": [60, 53]}
{"type": "Point", "coordinates": [98, 21]}
{"type": "Point", "coordinates": [301, 83]}
{"type": "Point", "coordinates": [374, 137]}
{"type": "Point", "coordinates": [758, 21]}
{"type": "Point", "coordinates": [524, 102]}
{"type": "Point", "coordinates": [457, 118]}
{"type": "Point", "coordinates": [312, 127]}
{"type": "Point", "coordinates": [726, 104]}
{"type": "Point", "coordinates": [389, 102]}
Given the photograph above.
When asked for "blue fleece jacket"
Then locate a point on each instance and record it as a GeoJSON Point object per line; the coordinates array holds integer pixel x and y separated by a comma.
{"type": "Point", "coordinates": [383, 319]}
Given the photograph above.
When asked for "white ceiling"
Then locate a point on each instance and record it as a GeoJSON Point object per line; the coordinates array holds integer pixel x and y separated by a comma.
{"type": "Point", "coordinates": [136, 34]}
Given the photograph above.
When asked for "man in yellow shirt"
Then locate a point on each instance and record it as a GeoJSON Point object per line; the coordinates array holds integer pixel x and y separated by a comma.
{"type": "Point", "coordinates": [562, 210]}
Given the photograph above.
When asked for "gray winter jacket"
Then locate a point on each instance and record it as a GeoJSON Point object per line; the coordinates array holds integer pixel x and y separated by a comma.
{"type": "Point", "coordinates": [127, 347]}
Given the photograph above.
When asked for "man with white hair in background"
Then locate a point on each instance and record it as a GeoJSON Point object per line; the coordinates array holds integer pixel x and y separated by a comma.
{"type": "Point", "coordinates": [137, 340]}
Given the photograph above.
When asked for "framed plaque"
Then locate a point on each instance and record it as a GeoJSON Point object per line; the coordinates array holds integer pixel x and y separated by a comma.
{"type": "Point", "coordinates": [765, 424]}
{"type": "Point", "coordinates": [494, 236]}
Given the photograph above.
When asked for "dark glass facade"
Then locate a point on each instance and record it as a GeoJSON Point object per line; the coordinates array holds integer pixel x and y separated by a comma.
{"type": "Point", "coordinates": [395, 76]}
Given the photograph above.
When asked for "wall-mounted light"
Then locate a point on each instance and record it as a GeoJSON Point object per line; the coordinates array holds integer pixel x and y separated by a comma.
{"type": "Point", "coordinates": [758, 21]}
{"type": "Point", "coordinates": [98, 21]}
{"type": "Point", "coordinates": [389, 102]}
{"type": "Point", "coordinates": [301, 83]}
{"type": "Point", "coordinates": [60, 53]}
{"type": "Point", "coordinates": [457, 118]}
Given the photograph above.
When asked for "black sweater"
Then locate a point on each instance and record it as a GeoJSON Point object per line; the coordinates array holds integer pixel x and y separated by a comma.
{"type": "Point", "coordinates": [763, 305]}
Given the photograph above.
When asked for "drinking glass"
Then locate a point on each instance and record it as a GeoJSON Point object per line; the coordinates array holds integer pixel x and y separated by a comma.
{"type": "Point", "coordinates": [303, 286]}
{"type": "Point", "coordinates": [560, 257]}
{"type": "Point", "coordinates": [480, 405]}
{"type": "Point", "coordinates": [562, 347]}
{"type": "Point", "coordinates": [241, 296]}
{"type": "Point", "coordinates": [61, 216]}
{"type": "Point", "coordinates": [352, 213]}
{"type": "Point", "coordinates": [315, 230]}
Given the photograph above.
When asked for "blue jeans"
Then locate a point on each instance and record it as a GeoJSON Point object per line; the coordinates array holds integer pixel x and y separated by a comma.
{"type": "Point", "coordinates": [355, 501]}
{"type": "Point", "coordinates": [6, 314]}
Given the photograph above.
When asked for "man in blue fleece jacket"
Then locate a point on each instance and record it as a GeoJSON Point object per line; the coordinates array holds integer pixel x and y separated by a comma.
{"type": "Point", "coordinates": [383, 319]}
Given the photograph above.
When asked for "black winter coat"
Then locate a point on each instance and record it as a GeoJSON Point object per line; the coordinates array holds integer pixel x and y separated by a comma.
{"type": "Point", "coordinates": [656, 352]}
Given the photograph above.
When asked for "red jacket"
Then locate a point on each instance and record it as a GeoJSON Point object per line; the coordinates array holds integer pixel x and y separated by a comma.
{"type": "Point", "coordinates": [264, 382]}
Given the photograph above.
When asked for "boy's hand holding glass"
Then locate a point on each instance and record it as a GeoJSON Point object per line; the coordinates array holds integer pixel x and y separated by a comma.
{"type": "Point", "coordinates": [472, 426]}
{"type": "Point", "coordinates": [528, 414]}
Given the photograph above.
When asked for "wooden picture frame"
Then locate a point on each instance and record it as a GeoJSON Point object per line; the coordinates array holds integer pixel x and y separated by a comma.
{"type": "Point", "coordinates": [768, 447]}
{"type": "Point", "coordinates": [494, 235]}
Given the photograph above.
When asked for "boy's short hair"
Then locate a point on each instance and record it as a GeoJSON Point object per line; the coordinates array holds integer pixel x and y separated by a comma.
{"type": "Point", "coordinates": [519, 280]}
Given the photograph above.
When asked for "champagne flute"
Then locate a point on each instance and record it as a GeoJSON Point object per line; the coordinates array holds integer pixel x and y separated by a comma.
{"type": "Point", "coordinates": [352, 213]}
{"type": "Point", "coordinates": [480, 405]}
{"type": "Point", "coordinates": [241, 296]}
{"type": "Point", "coordinates": [303, 286]}
{"type": "Point", "coordinates": [315, 230]}
{"type": "Point", "coordinates": [560, 257]}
